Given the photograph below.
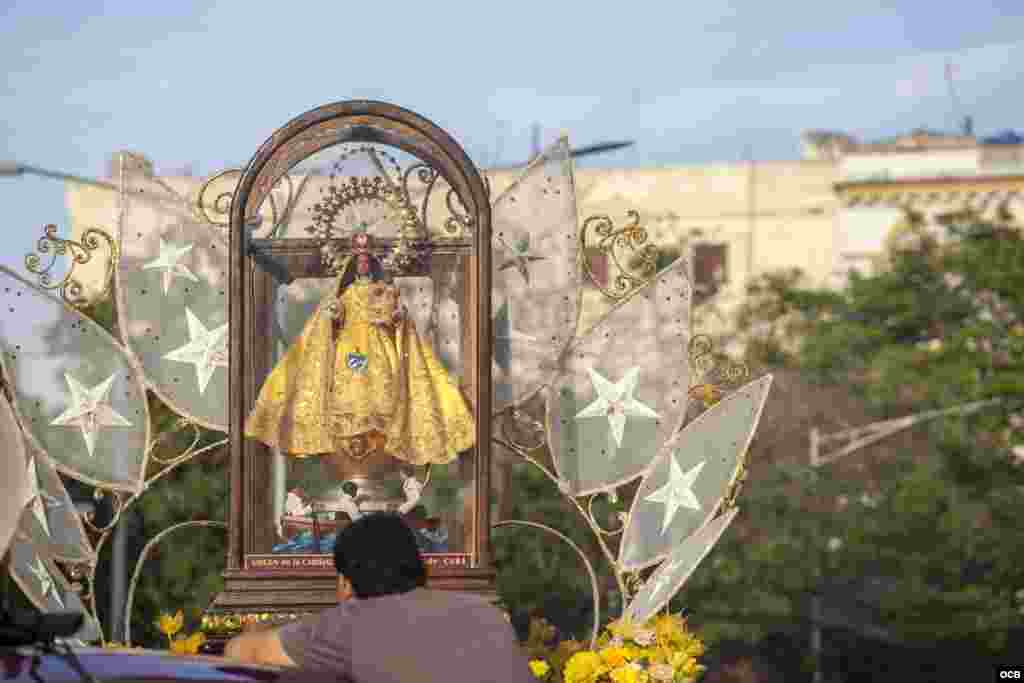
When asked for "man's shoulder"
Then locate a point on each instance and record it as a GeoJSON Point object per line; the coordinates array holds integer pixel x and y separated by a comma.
{"type": "Point", "coordinates": [432, 600]}
{"type": "Point", "coordinates": [422, 602]}
{"type": "Point", "coordinates": [450, 597]}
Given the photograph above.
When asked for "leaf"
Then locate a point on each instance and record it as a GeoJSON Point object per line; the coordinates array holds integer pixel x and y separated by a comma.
{"type": "Point", "coordinates": [684, 487]}
{"type": "Point", "coordinates": [670, 577]}
{"type": "Point", "coordinates": [50, 519]}
{"type": "Point", "coordinates": [14, 483]}
{"type": "Point", "coordinates": [78, 393]}
{"type": "Point", "coordinates": [536, 288]}
{"type": "Point", "coordinates": [42, 582]}
{"type": "Point", "coordinates": [172, 285]}
{"type": "Point", "coordinates": [621, 391]}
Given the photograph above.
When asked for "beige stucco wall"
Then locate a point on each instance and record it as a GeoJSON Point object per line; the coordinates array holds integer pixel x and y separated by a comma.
{"type": "Point", "coordinates": [771, 215]}
{"type": "Point", "coordinates": [91, 207]}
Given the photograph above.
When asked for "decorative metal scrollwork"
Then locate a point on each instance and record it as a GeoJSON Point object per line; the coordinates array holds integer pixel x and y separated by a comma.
{"type": "Point", "coordinates": [221, 204]}
{"type": "Point", "coordinates": [459, 221]}
{"type": "Point", "coordinates": [411, 188]}
{"type": "Point", "coordinates": [522, 430]}
{"type": "Point", "coordinates": [611, 243]}
{"type": "Point", "coordinates": [390, 191]}
{"type": "Point", "coordinates": [218, 210]}
{"type": "Point", "coordinates": [732, 492]}
{"type": "Point", "coordinates": [361, 191]}
{"type": "Point", "coordinates": [713, 373]}
{"type": "Point", "coordinates": [613, 499]}
{"type": "Point", "coordinates": [427, 176]}
{"type": "Point", "coordinates": [52, 246]}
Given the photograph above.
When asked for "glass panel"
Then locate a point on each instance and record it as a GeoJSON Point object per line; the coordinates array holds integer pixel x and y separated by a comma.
{"type": "Point", "coordinates": [312, 497]}
{"type": "Point", "coordinates": [347, 185]}
{"type": "Point", "coordinates": [366, 404]}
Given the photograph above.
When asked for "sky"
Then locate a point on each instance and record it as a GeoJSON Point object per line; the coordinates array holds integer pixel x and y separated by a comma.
{"type": "Point", "coordinates": [204, 84]}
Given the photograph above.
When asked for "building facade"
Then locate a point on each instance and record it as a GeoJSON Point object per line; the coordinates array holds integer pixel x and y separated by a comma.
{"type": "Point", "coordinates": [826, 214]}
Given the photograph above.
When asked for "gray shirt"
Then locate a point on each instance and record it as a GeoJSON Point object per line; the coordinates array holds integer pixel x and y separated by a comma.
{"type": "Point", "coordinates": [423, 636]}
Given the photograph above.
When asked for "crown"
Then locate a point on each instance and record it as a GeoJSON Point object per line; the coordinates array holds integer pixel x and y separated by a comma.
{"type": "Point", "coordinates": [364, 192]}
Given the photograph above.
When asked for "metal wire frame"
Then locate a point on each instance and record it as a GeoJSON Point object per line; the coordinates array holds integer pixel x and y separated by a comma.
{"type": "Point", "coordinates": [599, 531]}
{"type": "Point", "coordinates": [711, 372]}
{"type": "Point", "coordinates": [595, 590]}
{"type": "Point", "coordinates": [206, 524]}
{"type": "Point", "coordinates": [123, 504]}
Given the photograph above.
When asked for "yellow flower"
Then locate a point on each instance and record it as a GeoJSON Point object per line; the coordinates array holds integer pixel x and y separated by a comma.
{"type": "Point", "coordinates": [670, 628]}
{"type": "Point", "coordinates": [629, 674]}
{"type": "Point", "coordinates": [614, 656]}
{"type": "Point", "coordinates": [169, 625]}
{"type": "Point", "coordinates": [189, 645]}
{"type": "Point", "coordinates": [584, 667]}
{"type": "Point", "coordinates": [623, 628]}
{"type": "Point", "coordinates": [539, 668]}
{"type": "Point", "coordinates": [708, 394]}
{"type": "Point", "coordinates": [662, 672]}
{"type": "Point", "coordinates": [644, 637]}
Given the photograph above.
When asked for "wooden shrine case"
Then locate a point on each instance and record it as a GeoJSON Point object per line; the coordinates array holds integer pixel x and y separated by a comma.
{"type": "Point", "coordinates": [338, 170]}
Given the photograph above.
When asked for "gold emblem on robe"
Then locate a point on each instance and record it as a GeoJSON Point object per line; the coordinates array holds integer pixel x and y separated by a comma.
{"type": "Point", "coordinates": [357, 381]}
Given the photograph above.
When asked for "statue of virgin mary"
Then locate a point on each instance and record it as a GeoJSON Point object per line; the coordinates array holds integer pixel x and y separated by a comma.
{"type": "Point", "coordinates": [359, 384]}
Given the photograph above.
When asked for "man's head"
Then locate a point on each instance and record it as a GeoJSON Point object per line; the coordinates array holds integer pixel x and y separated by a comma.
{"type": "Point", "coordinates": [377, 555]}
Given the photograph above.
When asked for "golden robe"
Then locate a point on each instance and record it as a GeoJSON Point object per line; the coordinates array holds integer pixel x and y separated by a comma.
{"type": "Point", "coordinates": [349, 381]}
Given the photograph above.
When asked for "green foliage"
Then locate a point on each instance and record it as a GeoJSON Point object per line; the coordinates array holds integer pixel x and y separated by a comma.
{"type": "Point", "coordinates": [539, 575]}
{"type": "Point", "coordinates": [184, 570]}
{"type": "Point", "coordinates": [939, 535]}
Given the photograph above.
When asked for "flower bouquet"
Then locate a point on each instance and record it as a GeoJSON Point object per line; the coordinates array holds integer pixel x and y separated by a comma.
{"type": "Point", "coordinates": [661, 650]}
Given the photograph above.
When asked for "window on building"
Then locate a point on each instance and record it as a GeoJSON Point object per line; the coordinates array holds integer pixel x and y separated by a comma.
{"type": "Point", "coordinates": [710, 269]}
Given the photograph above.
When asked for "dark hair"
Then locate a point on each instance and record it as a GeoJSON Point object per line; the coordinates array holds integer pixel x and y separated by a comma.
{"type": "Point", "coordinates": [378, 554]}
{"type": "Point", "coordinates": [351, 271]}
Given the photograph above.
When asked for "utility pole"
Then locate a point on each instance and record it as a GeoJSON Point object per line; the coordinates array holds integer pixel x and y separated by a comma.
{"type": "Point", "coordinates": [964, 123]}
{"type": "Point", "coordinates": [816, 637]}
{"type": "Point", "coordinates": [751, 210]}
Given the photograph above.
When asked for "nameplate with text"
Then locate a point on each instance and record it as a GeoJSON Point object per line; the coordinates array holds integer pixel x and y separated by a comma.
{"type": "Point", "coordinates": [325, 563]}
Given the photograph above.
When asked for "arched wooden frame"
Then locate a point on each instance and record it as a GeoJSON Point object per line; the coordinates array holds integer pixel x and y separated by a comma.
{"type": "Point", "coordinates": [360, 122]}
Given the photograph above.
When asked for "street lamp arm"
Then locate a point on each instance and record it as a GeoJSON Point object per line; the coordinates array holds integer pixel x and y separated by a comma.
{"type": "Point", "coordinates": [14, 168]}
{"type": "Point", "coordinates": [11, 168]}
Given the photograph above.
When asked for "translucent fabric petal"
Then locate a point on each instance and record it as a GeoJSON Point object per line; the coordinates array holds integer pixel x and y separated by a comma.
{"type": "Point", "coordinates": [685, 486]}
{"type": "Point", "coordinates": [172, 299]}
{"type": "Point", "coordinates": [49, 518]}
{"type": "Point", "coordinates": [14, 481]}
{"type": "Point", "coordinates": [621, 391]}
{"type": "Point", "coordinates": [42, 582]}
{"type": "Point", "coordinates": [78, 392]}
{"type": "Point", "coordinates": [535, 275]}
{"type": "Point", "coordinates": [668, 579]}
